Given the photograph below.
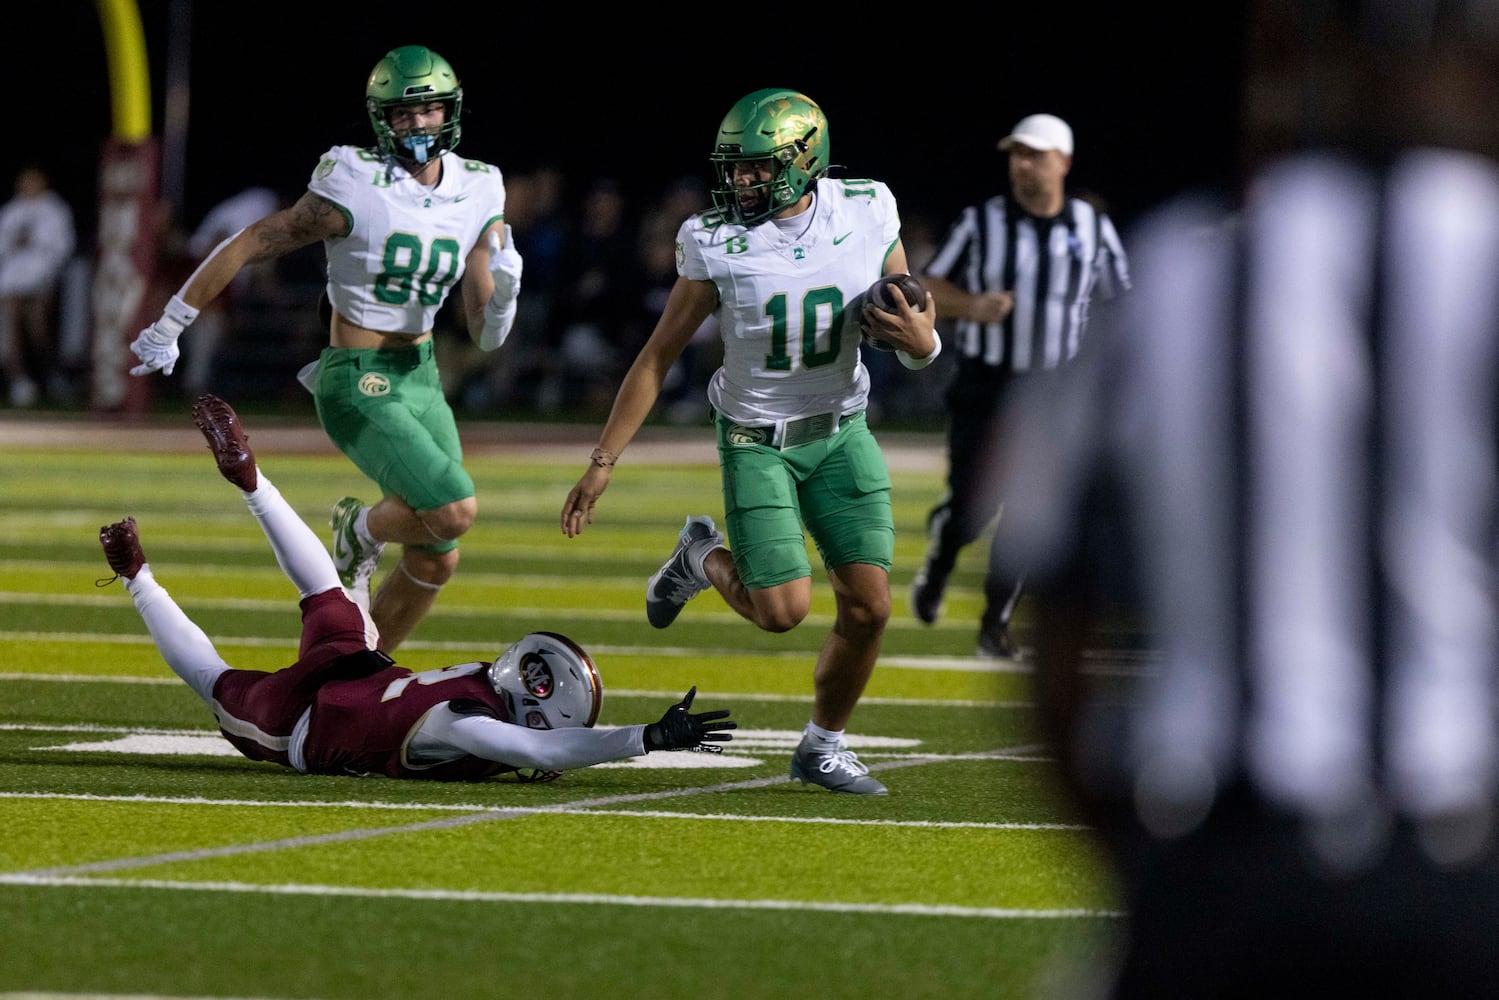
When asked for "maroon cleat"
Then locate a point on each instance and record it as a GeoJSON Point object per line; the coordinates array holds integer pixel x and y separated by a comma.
{"type": "Point", "coordinates": [227, 440]}
{"type": "Point", "coordinates": [122, 548]}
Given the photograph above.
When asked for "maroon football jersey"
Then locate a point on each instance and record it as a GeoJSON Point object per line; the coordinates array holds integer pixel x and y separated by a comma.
{"type": "Point", "coordinates": [363, 726]}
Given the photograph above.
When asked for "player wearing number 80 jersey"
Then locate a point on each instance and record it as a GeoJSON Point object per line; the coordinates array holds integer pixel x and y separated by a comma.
{"type": "Point", "coordinates": [402, 223]}
{"type": "Point", "coordinates": [406, 242]}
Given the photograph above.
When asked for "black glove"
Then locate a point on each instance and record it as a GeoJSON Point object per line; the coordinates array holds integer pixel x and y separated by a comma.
{"type": "Point", "coordinates": [681, 730]}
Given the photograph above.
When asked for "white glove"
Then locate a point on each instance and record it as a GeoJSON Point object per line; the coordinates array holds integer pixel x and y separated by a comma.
{"type": "Point", "coordinates": [505, 265]}
{"type": "Point", "coordinates": [156, 345]}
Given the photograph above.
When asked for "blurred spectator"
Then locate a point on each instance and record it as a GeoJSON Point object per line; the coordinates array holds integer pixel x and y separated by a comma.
{"type": "Point", "coordinates": [37, 240]}
{"type": "Point", "coordinates": [538, 218]}
{"type": "Point", "coordinates": [536, 213]}
{"type": "Point", "coordinates": [219, 316]}
{"type": "Point", "coordinates": [595, 297]}
{"type": "Point", "coordinates": [684, 393]}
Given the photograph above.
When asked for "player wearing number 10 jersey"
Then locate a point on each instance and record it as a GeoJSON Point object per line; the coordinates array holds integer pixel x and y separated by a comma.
{"type": "Point", "coordinates": [402, 224]}
{"type": "Point", "coordinates": [778, 262]}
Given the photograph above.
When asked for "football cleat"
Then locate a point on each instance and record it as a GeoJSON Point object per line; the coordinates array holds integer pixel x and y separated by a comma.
{"type": "Point", "coordinates": [676, 582]}
{"type": "Point", "coordinates": [926, 594]}
{"type": "Point", "coordinates": [355, 561]}
{"type": "Point", "coordinates": [227, 440]}
{"type": "Point", "coordinates": [122, 548]}
{"type": "Point", "coordinates": [995, 644]}
{"type": "Point", "coordinates": [838, 770]}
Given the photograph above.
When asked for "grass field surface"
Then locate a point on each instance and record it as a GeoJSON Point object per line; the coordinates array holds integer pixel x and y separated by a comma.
{"type": "Point", "coordinates": [142, 857]}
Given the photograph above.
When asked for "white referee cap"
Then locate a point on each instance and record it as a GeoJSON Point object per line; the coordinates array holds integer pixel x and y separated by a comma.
{"type": "Point", "coordinates": [1040, 132]}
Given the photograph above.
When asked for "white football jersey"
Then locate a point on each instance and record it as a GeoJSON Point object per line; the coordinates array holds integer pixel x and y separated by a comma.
{"type": "Point", "coordinates": [407, 242]}
{"type": "Point", "coordinates": [782, 291]}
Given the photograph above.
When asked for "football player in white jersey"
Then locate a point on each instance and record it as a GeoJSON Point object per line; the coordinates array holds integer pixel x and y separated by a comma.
{"type": "Point", "coordinates": [777, 260]}
{"type": "Point", "coordinates": [402, 223]}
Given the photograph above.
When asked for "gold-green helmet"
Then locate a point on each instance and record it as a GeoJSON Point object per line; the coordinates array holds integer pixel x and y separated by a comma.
{"type": "Point", "coordinates": [413, 74]}
{"type": "Point", "coordinates": [783, 126]}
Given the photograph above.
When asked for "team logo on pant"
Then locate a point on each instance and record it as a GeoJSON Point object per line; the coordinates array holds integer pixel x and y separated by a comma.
{"type": "Point", "coordinates": [742, 436]}
{"type": "Point", "coordinates": [374, 384]}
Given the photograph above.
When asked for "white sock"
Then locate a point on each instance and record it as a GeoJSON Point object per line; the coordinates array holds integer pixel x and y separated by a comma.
{"type": "Point", "coordinates": [697, 554]}
{"type": "Point", "coordinates": [299, 551]}
{"type": "Point", "coordinates": [831, 739]}
{"type": "Point", "coordinates": [362, 528]}
{"type": "Point", "coordinates": [181, 643]}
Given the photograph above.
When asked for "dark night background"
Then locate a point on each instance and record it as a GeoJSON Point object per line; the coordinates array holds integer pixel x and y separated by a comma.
{"type": "Point", "coordinates": [916, 96]}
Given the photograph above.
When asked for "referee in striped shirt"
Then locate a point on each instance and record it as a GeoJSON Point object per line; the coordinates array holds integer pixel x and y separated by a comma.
{"type": "Point", "coordinates": [1017, 273]}
{"type": "Point", "coordinates": [1288, 450]}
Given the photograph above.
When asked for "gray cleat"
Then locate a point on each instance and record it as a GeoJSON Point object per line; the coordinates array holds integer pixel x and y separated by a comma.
{"type": "Point", "coordinates": [839, 770]}
{"type": "Point", "coordinates": [676, 583]}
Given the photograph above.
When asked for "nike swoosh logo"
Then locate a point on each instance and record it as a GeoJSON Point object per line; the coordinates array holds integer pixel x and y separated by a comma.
{"type": "Point", "coordinates": [459, 198]}
{"type": "Point", "coordinates": [839, 239]}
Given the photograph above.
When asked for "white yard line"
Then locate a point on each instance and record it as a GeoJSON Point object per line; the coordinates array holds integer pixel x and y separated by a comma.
{"type": "Point", "coordinates": [586, 899]}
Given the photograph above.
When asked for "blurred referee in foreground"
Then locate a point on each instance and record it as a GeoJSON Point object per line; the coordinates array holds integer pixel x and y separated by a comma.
{"type": "Point", "coordinates": [1286, 450]}
{"type": "Point", "coordinates": [1018, 273]}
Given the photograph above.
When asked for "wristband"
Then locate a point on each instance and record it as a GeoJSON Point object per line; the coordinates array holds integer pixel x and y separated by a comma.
{"type": "Point", "coordinates": [176, 317]}
{"type": "Point", "coordinates": [916, 364]}
{"type": "Point", "coordinates": [603, 458]}
{"type": "Point", "coordinates": [497, 324]}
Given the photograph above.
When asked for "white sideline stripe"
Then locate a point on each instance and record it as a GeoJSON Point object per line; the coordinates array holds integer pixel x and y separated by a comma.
{"type": "Point", "coordinates": [919, 824]}
{"type": "Point", "coordinates": [591, 899]}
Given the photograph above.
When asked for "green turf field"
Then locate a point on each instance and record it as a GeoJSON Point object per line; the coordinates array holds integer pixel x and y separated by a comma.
{"type": "Point", "coordinates": [141, 856]}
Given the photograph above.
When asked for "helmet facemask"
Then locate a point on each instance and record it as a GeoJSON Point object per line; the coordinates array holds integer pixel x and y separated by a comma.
{"type": "Point", "coordinates": [746, 204]}
{"type": "Point", "coordinates": [782, 126]}
{"type": "Point", "coordinates": [414, 76]}
{"type": "Point", "coordinates": [417, 145]}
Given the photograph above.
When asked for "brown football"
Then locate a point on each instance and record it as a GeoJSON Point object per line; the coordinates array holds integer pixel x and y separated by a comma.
{"type": "Point", "coordinates": [882, 293]}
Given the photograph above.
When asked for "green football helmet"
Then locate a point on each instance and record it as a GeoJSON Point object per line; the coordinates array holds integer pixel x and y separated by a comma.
{"type": "Point", "coordinates": [413, 74]}
{"type": "Point", "coordinates": [784, 126]}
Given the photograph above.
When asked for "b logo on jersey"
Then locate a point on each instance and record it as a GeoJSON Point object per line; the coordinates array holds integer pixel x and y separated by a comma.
{"type": "Point", "coordinates": [374, 384]}
{"type": "Point", "coordinates": [736, 244]}
{"type": "Point", "coordinates": [741, 437]}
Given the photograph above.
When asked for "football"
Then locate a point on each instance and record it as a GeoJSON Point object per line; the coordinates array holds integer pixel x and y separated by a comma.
{"type": "Point", "coordinates": [882, 293]}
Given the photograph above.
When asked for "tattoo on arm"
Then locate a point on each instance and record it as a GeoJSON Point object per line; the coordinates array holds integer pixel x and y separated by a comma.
{"type": "Point", "coordinates": [312, 218]}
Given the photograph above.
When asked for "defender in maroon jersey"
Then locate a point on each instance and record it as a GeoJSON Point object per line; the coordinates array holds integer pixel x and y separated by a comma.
{"type": "Point", "coordinates": [346, 708]}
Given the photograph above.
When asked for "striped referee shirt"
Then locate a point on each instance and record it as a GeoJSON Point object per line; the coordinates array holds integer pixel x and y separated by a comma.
{"type": "Point", "coordinates": [1302, 405]}
{"type": "Point", "coordinates": [1052, 266]}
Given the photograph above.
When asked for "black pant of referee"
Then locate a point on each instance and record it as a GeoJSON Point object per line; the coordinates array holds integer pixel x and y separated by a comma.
{"type": "Point", "coordinates": [974, 398]}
